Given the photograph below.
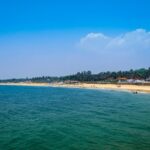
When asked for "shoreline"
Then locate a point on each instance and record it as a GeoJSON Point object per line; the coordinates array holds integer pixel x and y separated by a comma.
{"type": "Point", "coordinates": [118, 87]}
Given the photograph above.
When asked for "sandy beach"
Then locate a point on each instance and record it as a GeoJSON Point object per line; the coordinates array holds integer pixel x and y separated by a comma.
{"type": "Point", "coordinates": [132, 88]}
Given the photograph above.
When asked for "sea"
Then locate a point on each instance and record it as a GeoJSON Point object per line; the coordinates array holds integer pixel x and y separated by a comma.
{"type": "Point", "coordinates": [49, 118]}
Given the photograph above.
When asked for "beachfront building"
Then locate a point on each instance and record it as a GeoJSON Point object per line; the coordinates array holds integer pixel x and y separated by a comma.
{"type": "Point", "coordinates": [131, 81]}
{"type": "Point", "coordinates": [136, 81]}
{"type": "Point", "coordinates": [70, 82]}
{"type": "Point", "coordinates": [148, 79]}
{"type": "Point", "coordinates": [122, 80]}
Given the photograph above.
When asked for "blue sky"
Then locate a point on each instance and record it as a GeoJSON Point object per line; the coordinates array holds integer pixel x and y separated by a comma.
{"type": "Point", "coordinates": [63, 37]}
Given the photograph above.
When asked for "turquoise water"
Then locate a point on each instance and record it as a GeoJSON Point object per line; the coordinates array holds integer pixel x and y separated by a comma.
{"type": "Point", "coordinates": [44, 118]}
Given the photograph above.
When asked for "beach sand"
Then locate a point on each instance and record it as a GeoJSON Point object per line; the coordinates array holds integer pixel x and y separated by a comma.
{"type": "Point", "coordinates": [132, 88]}
{"type": "Point", "coordinates": [129, 87]}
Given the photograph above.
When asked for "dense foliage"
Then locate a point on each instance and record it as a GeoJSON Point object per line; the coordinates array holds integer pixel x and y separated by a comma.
{"type": "Point", "coordinates": [87, 76]}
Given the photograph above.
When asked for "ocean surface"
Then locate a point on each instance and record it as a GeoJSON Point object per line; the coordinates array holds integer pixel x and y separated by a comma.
{"type": "Point", "coordinates": [45, 118]}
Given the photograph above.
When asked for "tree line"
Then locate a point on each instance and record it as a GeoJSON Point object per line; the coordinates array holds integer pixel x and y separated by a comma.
{"type": "Point", "coordinates": [87, 76]}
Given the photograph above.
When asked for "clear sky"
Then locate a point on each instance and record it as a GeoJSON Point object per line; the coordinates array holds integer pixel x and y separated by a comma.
{"type": "Point", "coordinates": [59, 37]}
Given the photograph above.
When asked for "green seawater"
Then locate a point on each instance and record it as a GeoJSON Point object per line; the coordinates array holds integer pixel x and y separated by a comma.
{"type": "Point", "coordinates": [44, 118]}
